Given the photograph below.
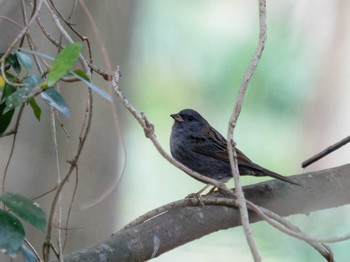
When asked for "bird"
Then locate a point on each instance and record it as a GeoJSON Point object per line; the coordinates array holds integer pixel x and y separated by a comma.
{"type": "Point", "coordinates": [200, 147]}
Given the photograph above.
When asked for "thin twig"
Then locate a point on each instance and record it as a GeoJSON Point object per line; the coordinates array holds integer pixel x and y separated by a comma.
{"type": "Point", "coordinates": [15, 131]}
{"type": "Point", "coordinates": [288, 228]}
{"type": "Point", "coordinates": [30, 40]}
{"type": "Point", "coordinates": [100, 42]}
{"type": "Point", "coordinates": [82, 138]}
{"type": "Point", "coordinates": [325, 152]}
{"type": "Point", "coordinates": [82, 38]}
{"type": "Point", "coordinates": [232, 124]}
{"type": "Point", "coordinates": [71, 205]}
{"type": "Point", "coordinates": [23, 31]}
{"type": "Point", "coordinates": [45, 193]}
{"type": "Point", "coordinates": [107, 76]}
{"type": "Point", "coordinates": [33, 249]}
{"type": "Point", "coordinates": [73, 163]}
{"type": "Point", "coordinates": [11, 21]}
{"type": "Point", "coordinates": [58, 180]}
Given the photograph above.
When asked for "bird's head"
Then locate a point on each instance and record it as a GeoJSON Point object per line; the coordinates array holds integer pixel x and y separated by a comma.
{"type": "Point", "coordinates": [189, 119]}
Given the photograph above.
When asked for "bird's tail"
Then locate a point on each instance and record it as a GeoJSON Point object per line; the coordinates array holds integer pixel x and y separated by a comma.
{"type": "Point", "coordinates": [280, 177]}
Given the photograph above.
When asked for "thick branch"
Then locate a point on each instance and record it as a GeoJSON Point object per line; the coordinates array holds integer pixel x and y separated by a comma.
{"type": "Point", "coordinates": [321, 190]}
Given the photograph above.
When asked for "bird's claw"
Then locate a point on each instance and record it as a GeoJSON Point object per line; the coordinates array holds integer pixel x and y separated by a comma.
{"type": "Point", "coordinates": [195, 197]}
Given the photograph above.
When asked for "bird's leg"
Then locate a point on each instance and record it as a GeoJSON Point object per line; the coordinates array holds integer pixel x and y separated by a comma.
{"type": "Point", "coordinates": [198, 194]}
{"type": "Point", "coordinates": [212, 190]}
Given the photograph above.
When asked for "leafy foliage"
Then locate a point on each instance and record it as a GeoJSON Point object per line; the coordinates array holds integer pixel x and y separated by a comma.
{"type": "Point", "coordinates": [11, 233]}
{"type": "Point", "coordinates": [5, 117]}
{"type": "Point", "coordinates": [11, 229]}
{"type": "Point", "coordinates": [21, 86]}
{"type": "Point", "coordinates": [63, 63]}
{"type": "Point", "coordinates": [16, 90]}
{"type": "Point", "coordinates": [54, 99]}
{"type": "Point", "coordinates": [25, 209]}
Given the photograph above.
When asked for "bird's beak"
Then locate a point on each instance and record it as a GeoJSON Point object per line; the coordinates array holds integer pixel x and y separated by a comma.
{"type": "Point", "coordinates": [177, 117]}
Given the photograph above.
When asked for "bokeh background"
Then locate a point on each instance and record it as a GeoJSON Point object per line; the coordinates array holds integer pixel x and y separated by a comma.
{"type": "Point", "coordinates": [193, 54]}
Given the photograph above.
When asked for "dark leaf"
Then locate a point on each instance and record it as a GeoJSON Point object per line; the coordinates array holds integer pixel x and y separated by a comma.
{"type": "Point", "coordinates": [5, 118]}
{"type": "Point", "coordinates": [25, 209]}
{"type": "Point", "coordinates": [25, 60]}
{"type": "Point", "coordinates": [17, 98]}
{"type": "Point", "coordinates": [22, 94]}
{"type": "Point", "coordinates": [54, 99]}
{"type": "Point", "coordinates": [11, 233]}
{"type": "Point", "coordinates": [13, 61]}
{"type": "Point", "coordinates": [36, 108]}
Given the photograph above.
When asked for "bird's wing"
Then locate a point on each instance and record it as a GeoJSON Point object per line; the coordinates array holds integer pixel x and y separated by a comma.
{"type": "Point", "coordinates": [212, 144]}
{"type": "Point", "coordinates": [215, 146]}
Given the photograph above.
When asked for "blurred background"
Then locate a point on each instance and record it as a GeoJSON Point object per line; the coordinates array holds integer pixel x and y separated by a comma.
{"type": "Point", "coordinates": [193, 54]}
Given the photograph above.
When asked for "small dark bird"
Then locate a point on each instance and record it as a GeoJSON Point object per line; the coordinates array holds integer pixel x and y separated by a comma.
{"type": "Point", "coordinates": [197, 145]}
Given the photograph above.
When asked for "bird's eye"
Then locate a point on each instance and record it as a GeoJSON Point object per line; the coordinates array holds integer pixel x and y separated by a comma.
{"type": "Point", "coordinates": [190, 118]}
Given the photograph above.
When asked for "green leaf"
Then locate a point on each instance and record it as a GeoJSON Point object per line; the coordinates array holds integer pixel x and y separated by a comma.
{"type": "Point", "coordinates": [5, 118]}
{"type": "Point", "coordinates": [63, 63]}
{"type": "Point", "coordinates": [32, 80]}
{"type": "Point", "coordinates": [11, 233]}
{"type": "Point", "coordinates": [28, 254]}
{"type": "Point", "coordinates": [13, 61]}
{"type": "Point", "coordinates": [25, 60]}
{"type": "Point", "coordinates": [54, 99]}
{"type": "Point", "coordinates": [36, 108]}
{"type": "Point", "coordinates": [25, 209]}
{"type": "Point", "coordinates": [22, 94]}
{"type": "Point", "coordinates": [10, 77]}
{"type": "Point", "coordinates": [81, 74]}
{"type": "Point", "coordinates": [17, 98]}
{"type": "Point", "coordinates": [96, 89]}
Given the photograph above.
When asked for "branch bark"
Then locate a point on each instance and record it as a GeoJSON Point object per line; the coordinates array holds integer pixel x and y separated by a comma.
{"type": "Point", "coordinates": [321, 190]}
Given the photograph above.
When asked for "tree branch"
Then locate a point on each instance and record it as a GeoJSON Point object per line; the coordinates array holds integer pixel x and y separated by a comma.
{"type": "Point", "coordinates": [181, 224]}
{"type": "Point", "coordinates": [231, 127]}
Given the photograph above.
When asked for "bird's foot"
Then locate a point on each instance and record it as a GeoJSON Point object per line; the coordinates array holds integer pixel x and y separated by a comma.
{"type": "Point", "coordinates": [194, 197]}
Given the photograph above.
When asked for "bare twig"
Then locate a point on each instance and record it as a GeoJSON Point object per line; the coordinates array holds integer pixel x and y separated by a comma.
{"type": "Point", "coordinates": [88, 115]}
{"type": "Point", "coordinates": [58, 180]}
{"type": "Point", "coordinates": [15, 131]}
{"type": "Point", "coordinates": [286, 227]}
{"type": "Point", "coordinates": [325, 152]}
{"type": "Point", "coordinates": [73, 163]}
{"type": "Point", "coordinates": [33, 249]}
{"type": "Point", "coordinates": [30, 41]}
{"type": "Point", "coordinates": [82, 38]}
{"type": "Point", "coordinates": [37, 8]}
{"type": "Point", "coordinates": [11, 21]}
{"type": "Point", "coordinates": [45, 193]}
{"type": "Point", "coordinates": [232, 124]}
{"type": "Point", "coordinates": [98, 37]}
{"type": "Point", "coordinates": [70, 205]}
